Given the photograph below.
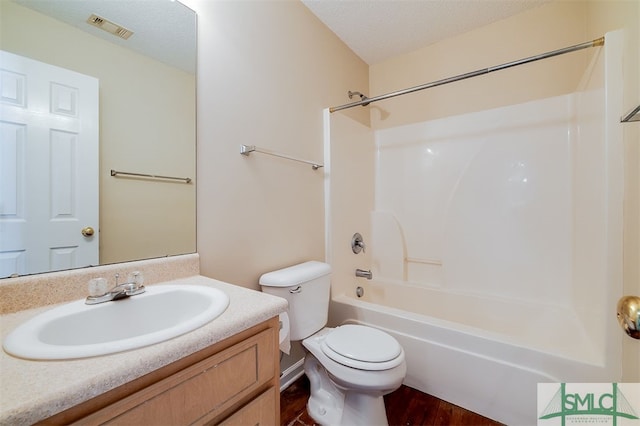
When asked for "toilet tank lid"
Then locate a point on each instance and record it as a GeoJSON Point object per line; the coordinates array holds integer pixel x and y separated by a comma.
{"type": "Point", "coordinates": [296, 274]}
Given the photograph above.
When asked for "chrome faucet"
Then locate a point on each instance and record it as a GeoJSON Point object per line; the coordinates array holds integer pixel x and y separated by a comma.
{"type": "Point", "coordinates": [98, 293]}
{"type": "Point", "coordinates": [364, 274]}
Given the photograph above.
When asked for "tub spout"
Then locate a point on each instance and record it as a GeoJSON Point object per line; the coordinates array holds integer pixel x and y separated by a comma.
{"type": "Point", "coordinates": [364, 274]}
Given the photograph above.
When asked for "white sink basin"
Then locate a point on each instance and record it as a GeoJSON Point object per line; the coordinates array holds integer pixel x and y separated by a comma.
{"type": "Point", "coordinates": [77, 330]}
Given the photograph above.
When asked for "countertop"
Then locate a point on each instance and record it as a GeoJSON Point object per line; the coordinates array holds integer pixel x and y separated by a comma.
{"type": "Point", "coordinates": [34, 390]}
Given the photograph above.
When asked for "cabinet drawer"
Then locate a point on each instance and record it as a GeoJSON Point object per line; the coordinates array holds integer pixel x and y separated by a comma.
{"type": "Point", "coordinates": [200, 392]}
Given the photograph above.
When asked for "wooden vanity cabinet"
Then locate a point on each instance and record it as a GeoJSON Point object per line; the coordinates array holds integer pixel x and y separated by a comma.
{"type": "Point", "coordinates": [233, 382]}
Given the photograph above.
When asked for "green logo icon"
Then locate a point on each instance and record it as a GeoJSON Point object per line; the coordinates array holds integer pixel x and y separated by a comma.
{"type": "Point", "coordinates": [564, 404]}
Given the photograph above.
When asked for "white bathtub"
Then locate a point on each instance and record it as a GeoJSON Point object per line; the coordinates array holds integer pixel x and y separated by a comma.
{"type": "Point", "coordinates": [484, 355]}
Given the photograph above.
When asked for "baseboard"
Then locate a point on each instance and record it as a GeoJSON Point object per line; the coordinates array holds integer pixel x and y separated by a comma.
{"type": "Point", "coordinates": [291, 374]}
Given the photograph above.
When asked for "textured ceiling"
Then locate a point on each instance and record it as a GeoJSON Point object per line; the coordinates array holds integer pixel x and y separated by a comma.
{"type": "Point", "coordinates": [374, 29]}
{"type": "Point", "coordinates": [379, 29]}
{"type": "Point", "coordinates": [164, 30]}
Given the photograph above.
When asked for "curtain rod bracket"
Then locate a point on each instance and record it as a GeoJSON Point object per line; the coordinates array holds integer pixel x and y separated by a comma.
{"type": "Point", "coordinates": [362, 96]}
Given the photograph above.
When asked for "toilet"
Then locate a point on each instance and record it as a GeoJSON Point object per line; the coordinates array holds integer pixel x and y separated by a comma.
{"type": "Point", "coordinates": [350, 367]}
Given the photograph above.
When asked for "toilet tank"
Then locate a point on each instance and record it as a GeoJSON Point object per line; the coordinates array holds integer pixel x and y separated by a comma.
{"type": "Point", "coordinates": [306, 287]}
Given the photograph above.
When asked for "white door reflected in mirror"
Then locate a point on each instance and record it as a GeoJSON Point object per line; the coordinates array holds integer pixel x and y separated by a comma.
{"type": "Point", "coordinates": [49, 167]}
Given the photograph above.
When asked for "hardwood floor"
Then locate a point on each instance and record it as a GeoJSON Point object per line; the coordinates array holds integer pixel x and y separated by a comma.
{"type": "Point", "coordinates": [405, 406]}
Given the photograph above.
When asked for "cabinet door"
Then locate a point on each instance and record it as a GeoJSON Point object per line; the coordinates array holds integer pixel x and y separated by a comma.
{"type": "Point", "coordinates": [201, 392]}
{"type": "Point", "coordinates": [258, 412]}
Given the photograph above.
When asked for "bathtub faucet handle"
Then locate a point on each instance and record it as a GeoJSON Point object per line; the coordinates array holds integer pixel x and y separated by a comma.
{"type": "Point", "coordinates": [357, 243]}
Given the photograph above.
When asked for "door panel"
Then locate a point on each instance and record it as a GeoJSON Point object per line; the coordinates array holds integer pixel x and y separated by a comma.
{"type": "Point", "coordinates": [48, 165]}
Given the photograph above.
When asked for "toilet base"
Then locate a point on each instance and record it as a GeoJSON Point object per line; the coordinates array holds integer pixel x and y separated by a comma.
{"type": "Point", "coordinates": [326, 402]}
{"type": "Point", "coordinates": [364, 409]}
{"type": "Point", "coordinates": [331, 406]}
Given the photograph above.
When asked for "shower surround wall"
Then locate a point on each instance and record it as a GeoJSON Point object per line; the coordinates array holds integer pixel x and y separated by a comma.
{"type": "Point", "coordinates": [478, 203]}
{"type": "Point", "coordinates": [482, 204]}
{"type": "Point", "coordinates": [495, 238]}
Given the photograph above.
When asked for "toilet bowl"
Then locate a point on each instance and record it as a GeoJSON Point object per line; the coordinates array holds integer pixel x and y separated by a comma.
{"type": "Point", "coordinates": [350, 367]}
{"type": "Point", "coordinates": [362, 365]}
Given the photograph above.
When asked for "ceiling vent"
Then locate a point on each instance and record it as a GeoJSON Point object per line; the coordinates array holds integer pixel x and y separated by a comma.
{"type": "Point", "coordinates": [110, 27]}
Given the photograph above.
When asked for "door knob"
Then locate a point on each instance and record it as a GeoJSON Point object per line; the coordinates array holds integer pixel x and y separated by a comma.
{"type": "Point", "coordinates": [87, 231]}
{"type": "Point", "coordinates": [629, 315]}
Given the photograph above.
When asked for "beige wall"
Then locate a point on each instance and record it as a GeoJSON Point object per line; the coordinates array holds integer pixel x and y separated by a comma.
{"type": "Point", "coordinates": [138, 133]}
{"type": "Point", "coordinates": [553, 26]}
{"type": "Point", "coordinates": [266, 71]}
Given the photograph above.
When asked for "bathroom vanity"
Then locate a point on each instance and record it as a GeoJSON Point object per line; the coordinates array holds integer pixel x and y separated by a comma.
{"type": "Point", "coordinates": [236, 380]}
{"type": "Point", "coordinates": [226, 371]}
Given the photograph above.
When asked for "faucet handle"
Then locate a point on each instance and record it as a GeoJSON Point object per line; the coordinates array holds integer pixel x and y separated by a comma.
{"type": "Point", "coordinates": [97, 287]}
{"type": "Point", "coordinates": [357, 243]}
{"type": "Point", "coordinates": [134, 284]}
{"type": "Point", "coordinates": [136, 278]}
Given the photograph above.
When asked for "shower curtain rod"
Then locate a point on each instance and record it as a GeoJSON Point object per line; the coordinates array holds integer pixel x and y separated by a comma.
{"type": "Point", "coordinates": [366, 101]}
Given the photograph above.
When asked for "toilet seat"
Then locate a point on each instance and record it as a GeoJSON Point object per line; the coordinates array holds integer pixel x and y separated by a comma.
{"type": "Point", "coordinates": [362, 347]}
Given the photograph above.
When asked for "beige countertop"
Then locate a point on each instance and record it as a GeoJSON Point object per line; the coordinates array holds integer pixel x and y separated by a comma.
{"type": "Point", "coordinates": [34, 390]}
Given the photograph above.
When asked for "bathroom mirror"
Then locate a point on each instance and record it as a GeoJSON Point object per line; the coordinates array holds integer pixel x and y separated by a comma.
{"type": "Point", "coordinates": [146, 109]}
